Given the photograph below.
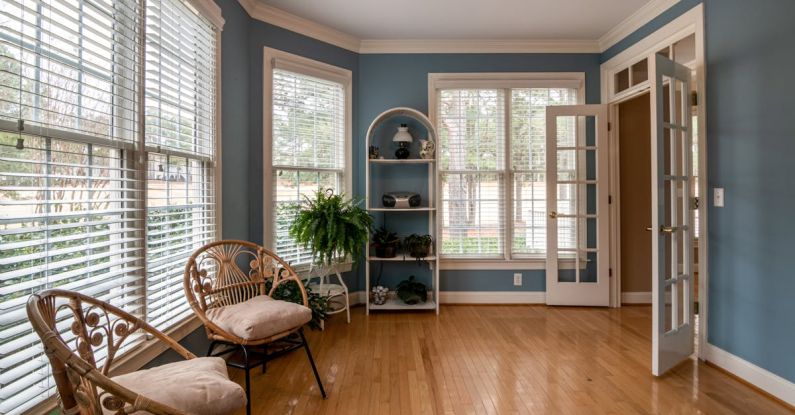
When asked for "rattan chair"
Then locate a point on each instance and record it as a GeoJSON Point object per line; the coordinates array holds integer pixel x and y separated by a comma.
{"type": "Point", "coordinates": [226, 285]}
{"type": "Point", "coordinates": [97, 331]}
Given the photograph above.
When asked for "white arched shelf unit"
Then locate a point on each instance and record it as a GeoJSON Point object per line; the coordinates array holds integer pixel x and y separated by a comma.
{"type": "Point", "coordinates": [382, 174]}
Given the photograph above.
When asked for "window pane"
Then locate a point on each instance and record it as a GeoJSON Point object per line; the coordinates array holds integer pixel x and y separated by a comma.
{"type": "Point", "coordinates": [67, 220]}
{"type": "Point", "coordinates": [180, 218]}
{"type": "Point", "coordinates": [472, 219]}
{"type": "Point", "coordinates": [528, 158]}
{"type": "Point", "coordinates": [61, 69]}
{"type": "Point", "coordinates": [180, 78]}
{"type": "Point", "coordinates": [308, 121]}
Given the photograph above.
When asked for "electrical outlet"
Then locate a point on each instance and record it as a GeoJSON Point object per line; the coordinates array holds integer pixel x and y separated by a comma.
{"type": "Point", "coordinates": [517, 279]}
{"type": "Point", "coordinates": [717, 197]}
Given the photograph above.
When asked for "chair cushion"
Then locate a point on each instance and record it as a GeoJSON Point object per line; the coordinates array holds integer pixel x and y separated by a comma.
{"type": "Point", "coordinates": [199, 386]}
{"type": "Point", "coordinates": [260, 317]}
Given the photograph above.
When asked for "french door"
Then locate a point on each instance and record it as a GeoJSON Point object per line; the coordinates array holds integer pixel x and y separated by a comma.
{"type": "Point", "coordinates": [577, 206]}
{"type": "Point", "coordinates": [672, 214]}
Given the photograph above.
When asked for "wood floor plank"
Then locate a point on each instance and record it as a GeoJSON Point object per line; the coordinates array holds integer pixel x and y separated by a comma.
{"type": "Point", "coordinates": [495, 360]}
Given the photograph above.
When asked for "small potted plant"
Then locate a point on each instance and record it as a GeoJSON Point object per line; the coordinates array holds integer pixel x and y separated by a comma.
{"type": "Point", "coordinates": [412, 291]}
{"type": "Point", "coordinates": [418, 246]}
{"type": "Point", "coordinates": [385, 243]}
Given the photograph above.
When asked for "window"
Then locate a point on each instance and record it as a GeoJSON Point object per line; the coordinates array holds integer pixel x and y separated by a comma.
{"type": "Point", "coordinates": [308, 140]}
{"type": "Point", "coordinates": [492, 133]}
{"type": "Point", "coordinates": [88, 201]}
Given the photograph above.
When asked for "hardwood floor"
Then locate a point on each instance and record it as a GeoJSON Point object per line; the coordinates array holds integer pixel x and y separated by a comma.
{"type": "Point", "coordinates": [495, 360]}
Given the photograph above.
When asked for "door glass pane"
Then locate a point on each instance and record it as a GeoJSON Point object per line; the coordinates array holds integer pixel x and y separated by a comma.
{"type": "Point", "coordinates": [668, 309]}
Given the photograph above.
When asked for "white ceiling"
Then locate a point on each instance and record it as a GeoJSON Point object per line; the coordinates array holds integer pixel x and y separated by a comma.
{"type": "Point", "coordinates": [465, 19]}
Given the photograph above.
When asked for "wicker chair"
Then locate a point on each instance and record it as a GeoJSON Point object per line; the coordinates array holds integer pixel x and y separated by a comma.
{"type": "Point", "coordinates": [97, 330]}
{"type": "Point", "coordinates": [225, 282]}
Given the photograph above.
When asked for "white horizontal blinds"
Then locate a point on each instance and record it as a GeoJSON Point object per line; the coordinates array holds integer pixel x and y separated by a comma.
{"type": "Point", "coordinates": [67, 220]}
{"type": "Point", "coordinates": [180, 79]}
{"type": "Point", "coordinates": [528, 163]}
{"type": "Point", "coordinates": [308, 148]}
{"type": "Point", "coordinates": [69, 67]}
{"type": "Point", "coordinates": [471, 125]}
{"type": "Point", "coordinates": [180, 123]}
{"type": "Point", "coordinates": [180, 206]}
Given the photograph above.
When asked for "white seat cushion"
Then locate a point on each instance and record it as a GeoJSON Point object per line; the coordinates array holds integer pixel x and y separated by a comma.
{"type": "Point", "coordinates": [199, 386]}
{"type": "Point", "coordinates": [260, 317]}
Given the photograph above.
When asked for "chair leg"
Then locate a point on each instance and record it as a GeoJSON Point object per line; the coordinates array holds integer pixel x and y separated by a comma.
{"type": "Point", "coordinates": [248, 380]}
{"type": "Point", "coordinates": [210, 349]}
{"type": "Point", "coordinates": [312, 362]}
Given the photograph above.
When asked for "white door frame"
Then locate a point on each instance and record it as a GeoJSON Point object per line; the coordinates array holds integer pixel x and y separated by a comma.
{"type": "Point", "coordinates": [691, 22]}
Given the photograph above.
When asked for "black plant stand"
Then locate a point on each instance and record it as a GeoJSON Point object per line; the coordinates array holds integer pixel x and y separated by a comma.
{"type": "Point", "coordinates": [248, 357]}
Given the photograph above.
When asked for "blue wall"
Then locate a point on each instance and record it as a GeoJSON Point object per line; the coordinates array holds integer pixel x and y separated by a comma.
{"type": "Point", "coordinates": [751, 133]}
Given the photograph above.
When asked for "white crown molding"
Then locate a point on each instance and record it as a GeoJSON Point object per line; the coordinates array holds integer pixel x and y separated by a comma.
{"type": "Point", "coordinates": [634, 22]}
{"type": "Point", "coordinates": [769, 382]}
{"type": "Point", "coordinates": [478, 46]}
{"type": "Point", "coordinates": [278, 17]}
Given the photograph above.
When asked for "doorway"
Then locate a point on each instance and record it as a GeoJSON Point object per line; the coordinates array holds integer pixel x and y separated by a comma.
{"type": "Point", "coordinates": [634, 126]}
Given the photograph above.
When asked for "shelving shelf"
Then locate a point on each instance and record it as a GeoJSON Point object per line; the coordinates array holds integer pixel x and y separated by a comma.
{"type": "Point", "coordinates": [402, 258]}
{"type": "Point", "coordinates": [401, 161]}
{"type": "Point", "coordinates": [398, 304]}
{"type": "Point", "coordinates": [415, 209]}
{"type": "Point", "coordinates": [385, 180]}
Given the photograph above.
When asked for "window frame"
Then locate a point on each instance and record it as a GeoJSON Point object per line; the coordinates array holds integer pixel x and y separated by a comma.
{"type": "Point", "coordinates": [505, 81]}
{"type": "Point", "coordinates": [309, 67]}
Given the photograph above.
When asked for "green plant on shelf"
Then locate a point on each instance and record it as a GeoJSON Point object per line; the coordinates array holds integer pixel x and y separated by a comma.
{"type": "Point", "coordinates": [386, 243]}
{"type": "Point", "coordinates": [411, 291]}
{"type": "Point", "coordinates": [418, 246]}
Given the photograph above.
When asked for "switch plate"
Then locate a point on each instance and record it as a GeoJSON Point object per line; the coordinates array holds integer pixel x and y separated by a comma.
{"type": "Point", "coordinates": [717, 197]}
{"type": "Point", "coordinates": [517, 279]}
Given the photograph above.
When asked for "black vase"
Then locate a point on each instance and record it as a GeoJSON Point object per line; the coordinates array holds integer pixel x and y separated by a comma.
{"type": "Point", "coordinates": [402, 153]}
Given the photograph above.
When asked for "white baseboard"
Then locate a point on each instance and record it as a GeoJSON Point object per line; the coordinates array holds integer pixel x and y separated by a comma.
{"type": "Point", "coordinates": [493, 297]}
{"type": "Point", "coordinates": [769, 382]}
{"type": "Point", "coordinates": [475, 297]}
{"type": "Point", "coordinates": [639, 297]}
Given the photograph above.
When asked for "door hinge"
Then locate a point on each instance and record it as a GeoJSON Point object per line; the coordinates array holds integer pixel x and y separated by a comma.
{"type": "Point", "coordinates": [610, 272]}
{"type": "Point", "coordinates": [694, 98]}
{"type": "Point", "coordinates": [694, 203]}
{"type": "Point", "coordinates": [609, 127]}
{"type": "Point", "coordinates": [609, 199]}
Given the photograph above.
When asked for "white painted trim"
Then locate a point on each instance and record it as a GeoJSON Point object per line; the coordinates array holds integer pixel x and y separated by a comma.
{"type": "Point", "coordinates": [277, 17]}
{"type": "Point", "coordinates": [210, 10]}
{"type": "Point", "coordinates": [634, 22]}
{"type": "Point", "coordinates": [638, 297]}
{"type": "Point", "coordinates": [478, 46]}
{"type": "Point", "coordinates": [474, 297]}
{"type": "Point", "coordinates": [310, 67]}
{"type": "Point", "coordinates": [769, 382]}
{"type": "Point", "coordinates": [688, 23]}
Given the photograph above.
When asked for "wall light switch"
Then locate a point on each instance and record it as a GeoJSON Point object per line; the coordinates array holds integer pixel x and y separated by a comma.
{"type": "Point", "coordinates": [517, 279]}
{"type": "Point", "coordinates": [717, 197]}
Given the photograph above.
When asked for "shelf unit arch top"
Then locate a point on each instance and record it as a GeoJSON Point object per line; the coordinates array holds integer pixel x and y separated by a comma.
{"type": "Point", "coordinates": [401, 112]}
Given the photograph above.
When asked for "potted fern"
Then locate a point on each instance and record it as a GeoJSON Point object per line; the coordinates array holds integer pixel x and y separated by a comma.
{"type": "Point", "coordinates": [333, 228]}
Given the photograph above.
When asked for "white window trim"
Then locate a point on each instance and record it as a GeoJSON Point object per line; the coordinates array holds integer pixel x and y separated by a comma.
{"type": "Point", "coordinates": [294, 63]}
{"type": "Point", "coordinates": [504, 80]}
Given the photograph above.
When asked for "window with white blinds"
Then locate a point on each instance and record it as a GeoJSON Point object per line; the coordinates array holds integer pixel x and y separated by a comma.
{"type": "Point", "coordinates": [88, 201]}
{"type": "Point", "coordinates": [179, 133]}
{"type": "Point", "coordinates": [493, 206]}
{"type": "Point", "coordinates": [308, 144]}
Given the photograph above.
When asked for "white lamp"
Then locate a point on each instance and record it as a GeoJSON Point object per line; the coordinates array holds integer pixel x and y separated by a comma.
{"type": "Point", "coordinates": [403, 138]}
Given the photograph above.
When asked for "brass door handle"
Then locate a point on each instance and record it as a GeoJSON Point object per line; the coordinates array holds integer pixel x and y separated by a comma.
{"type": "Point", "coordinates": [648, 229]}
{"type": "Point", "coordinates": [666, 229]}
{"type": "Point", "coordinates": [553, 215]}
